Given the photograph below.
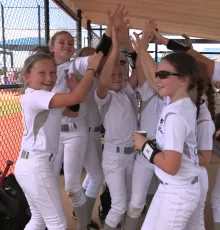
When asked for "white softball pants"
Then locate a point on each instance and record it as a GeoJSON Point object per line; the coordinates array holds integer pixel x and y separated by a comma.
{"type": "Point", "coordinates": [118, 169]}
{"type": "Point", "coordinates": [36, 177]}
{"type": "Point", "coordinates": [216, 199]}
{"type": "Point", "coordinates": [172, 207]}
{"type": "Point", "coordinates": [92, 164]}
{"type": "Point", "coordinates": [72, 151]}
{"type": "Point", "coordinates": [197, 219]}
{"type": "Point", "coordinates": [142, 177]}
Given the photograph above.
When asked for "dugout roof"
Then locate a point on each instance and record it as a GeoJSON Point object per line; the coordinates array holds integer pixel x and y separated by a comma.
{"type": "Point", "coordinates": [197, 18]}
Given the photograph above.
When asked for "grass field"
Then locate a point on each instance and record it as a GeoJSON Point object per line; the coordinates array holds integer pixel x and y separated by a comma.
{"type": "Point", "coordinates": [10, 127]}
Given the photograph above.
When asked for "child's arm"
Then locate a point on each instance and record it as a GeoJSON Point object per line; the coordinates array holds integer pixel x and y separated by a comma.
{"type": "Point", "coordinates": [78, 94]}
{"type": "Point", "coordinates": [107, 70]}
{"type": "Point", "coordinates": [175, 46]}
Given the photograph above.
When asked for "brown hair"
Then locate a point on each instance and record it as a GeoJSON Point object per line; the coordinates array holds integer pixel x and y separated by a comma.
{"type": "Point", "coordinates": [186, 65]}
{"type": "Point", "coordinates": [54, 37]}
{"type": "Point", "coordinates": [82, 52]}
{"type": "Point", "coordinates": [41, 49]}
{"type": "Point", "coordinates": [208, 89]}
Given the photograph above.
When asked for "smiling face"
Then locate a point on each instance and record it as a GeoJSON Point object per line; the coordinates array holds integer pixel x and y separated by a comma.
{"type": "Point", "coordinates": [117, 78]}
{"type": "Point", "coordinates": [172, 85]}
{"type": "Point", "coordinates": [62, 47]}
{"type": "Point", "coordinates": [42, 75]}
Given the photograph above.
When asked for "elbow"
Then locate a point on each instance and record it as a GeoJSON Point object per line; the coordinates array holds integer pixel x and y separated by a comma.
{"type": "Point", "coordinates": [171, 170]}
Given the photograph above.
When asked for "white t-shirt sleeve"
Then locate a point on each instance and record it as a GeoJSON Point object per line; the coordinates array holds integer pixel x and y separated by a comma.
{"type": "Point", "coordinates": [39, 99]}
{"type": "Point", "coordinates": [205, 131]}
{"type": "Point", "coordinates": [79, 65]}
{"type": "Point", "coordinates": [101, 101]}
{"type": "Point", "coordinates": [175, 132]}
{"type": "Point", "coordinates": [216, 74]}
{"type": "Point", "coordinates": [146, 91]}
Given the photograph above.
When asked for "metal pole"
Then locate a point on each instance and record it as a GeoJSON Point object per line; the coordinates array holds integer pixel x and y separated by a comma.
{"type": "Point", "coordinates": [100, 31]}
{"type": "Point", "coordinates": [39, 26]}
{"type": "Point", "coordinates": [89, 33]}
{"type": "Point", "coordinates": [4, 47]}
{"type": "Point", "coordinates": [47, 21]}
{"type": "Point", "coordinates": [156, 52]}
{"type": "Point", "coordinates": [79, 29]}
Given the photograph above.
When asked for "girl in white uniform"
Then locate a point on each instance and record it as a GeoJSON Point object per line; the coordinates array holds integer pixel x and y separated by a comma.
{"type": "Point", "coordinates": [74, 133]}
{"type": "Point", "coordinates": [178, 194]}
{"type": "Point", "coordinates": [151, 108]}
{"type": "Point", "coordinates": [117, 106]}
{"type": "Point", "coordinates": [213, 69]}
{"type": "Point", "coordinates": [42, 111]}
{"type": "Point", "coordinates": [92, 160]}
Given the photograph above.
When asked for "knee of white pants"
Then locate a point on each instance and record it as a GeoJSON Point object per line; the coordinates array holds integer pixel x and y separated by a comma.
{"type": "Point", "coordinates": [77, 197]}
{"type": "Point", "coordinates": [134, 211]}
{"type": "Point", "coordinates": [95, 182]}
{"type": "Point", "coordinates": [86, 182]}
{"type": "Point", "coordinates": [116, 213]}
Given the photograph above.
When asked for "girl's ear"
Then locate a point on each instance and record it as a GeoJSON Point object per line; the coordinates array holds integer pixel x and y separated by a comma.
{"type": "Point", "coordinates": [51, 49]}
{"type": "Point", "coordinates": [26, 77]}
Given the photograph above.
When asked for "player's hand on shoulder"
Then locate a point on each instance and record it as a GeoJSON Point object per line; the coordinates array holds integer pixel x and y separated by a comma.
{"type": "Point", "coordinates": [71, 80]}
{"type": "Point", "coordinates": [94, 61]}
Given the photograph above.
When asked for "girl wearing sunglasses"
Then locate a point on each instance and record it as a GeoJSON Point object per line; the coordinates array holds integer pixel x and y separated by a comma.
{"type": "Point", "coordinates": [175, 152]}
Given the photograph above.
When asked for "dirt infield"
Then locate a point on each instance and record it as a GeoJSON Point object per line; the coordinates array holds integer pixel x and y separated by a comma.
{"type": "Point", "coordinates": [11, 128]}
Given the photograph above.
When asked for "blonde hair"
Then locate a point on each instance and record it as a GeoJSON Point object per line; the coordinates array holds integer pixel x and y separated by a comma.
{"type": "Point", "coordinates": [54, 37]}
{"type": "Point", "coordinates": [29, 63]}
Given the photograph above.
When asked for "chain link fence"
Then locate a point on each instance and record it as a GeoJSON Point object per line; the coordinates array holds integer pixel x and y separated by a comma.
{"type": "Point", "coordinates": [22, 27]}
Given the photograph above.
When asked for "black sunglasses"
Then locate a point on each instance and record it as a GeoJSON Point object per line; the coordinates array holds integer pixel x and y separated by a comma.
{"type": "Point", "coordinates": [164, 74]}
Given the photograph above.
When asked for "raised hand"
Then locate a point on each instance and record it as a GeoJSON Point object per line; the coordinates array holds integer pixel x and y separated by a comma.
{"type": "Point", "coordinates": [115, 41]}
{"type": "Point", "coordinates": [143, 42]}
{"type": "Point", "coordinates": [118, 18]}
{"type": "Point", "coordinates": [94, 61]}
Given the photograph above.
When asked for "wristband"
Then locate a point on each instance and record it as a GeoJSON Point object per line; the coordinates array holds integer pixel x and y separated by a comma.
{"type": "Point", "coordinates": [104, 45]}
{"type": "Point", "coordinates": [91, 70]}
{"type": "Point", "coordinates": [175, 46]}
{"type": "Point", "coordinates": [149, 150]}
{"type": "Point", "coordinates": [74, 108]}
{"type": "Point", "coordinates": [131, 59]}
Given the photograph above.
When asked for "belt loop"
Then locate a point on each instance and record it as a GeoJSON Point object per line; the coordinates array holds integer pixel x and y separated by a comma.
{"type": "Point", "coordinates": [118, 149]}
{"type": "Point", "coordinates": [89, 129]}
{"type": "Point", "coordinates": [75, 126]}
{"type": "Point", "coordinates": [50, 158]}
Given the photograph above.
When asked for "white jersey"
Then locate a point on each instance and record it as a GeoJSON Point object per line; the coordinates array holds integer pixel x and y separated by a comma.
{"type": "Point", "coordinates": [93, 116]}
{"type": "Point", "coordinates": [119, 116]}
{"type": "Point", "coordinates": [41, 124]}
{"type": "Point", "coordinates": [205, 129]}
{"type": "Point", "coordinates": [151, 109]}
{"type": "Point", "coordinates": [176, 131]}
{"type": "Point", "coordinates": [78, 65]}
{"type": "Point", "coordinates": [216, 74]}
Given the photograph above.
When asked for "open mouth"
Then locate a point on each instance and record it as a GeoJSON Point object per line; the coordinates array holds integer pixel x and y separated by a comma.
{"type": "Point", "coordinates": [47, 84]}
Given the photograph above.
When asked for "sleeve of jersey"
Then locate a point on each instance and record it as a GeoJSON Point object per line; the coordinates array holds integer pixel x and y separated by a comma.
{"type": "Point", "coordinates": [101, 101]}
{"type": "Point", "coordinates": [216, 74]}
{"type": "Point", "coordinates": [175, 132]}
{"type": "Point", "coordinates": [127, 87]}
{"type": "Point", "coordinates": [205, 131]}
{"type": "Point", "coordinates": [40, 99]}
{"type": "Point", "coordinates": [79, 65]}
{"type": "Point", "coordinates": [146, 91]}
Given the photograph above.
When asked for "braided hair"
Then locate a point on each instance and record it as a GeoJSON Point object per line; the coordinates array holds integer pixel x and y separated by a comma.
{"type": "Point", "coordinates": [210, 93]}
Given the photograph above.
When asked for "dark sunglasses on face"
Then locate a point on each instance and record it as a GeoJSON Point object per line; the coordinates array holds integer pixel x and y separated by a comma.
{"type": "Point", "coordinates": [164, 74]}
